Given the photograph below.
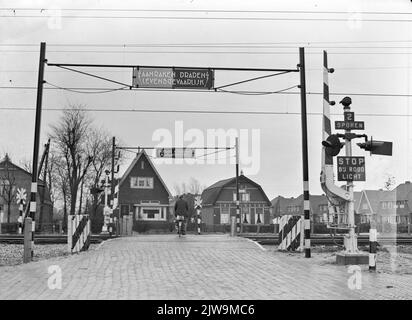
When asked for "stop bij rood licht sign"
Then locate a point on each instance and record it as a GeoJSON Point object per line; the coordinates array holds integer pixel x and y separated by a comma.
{"type": "Point", "coordinates": [173, 78]}
{"type": "Point", "coordinates": [351, 169]}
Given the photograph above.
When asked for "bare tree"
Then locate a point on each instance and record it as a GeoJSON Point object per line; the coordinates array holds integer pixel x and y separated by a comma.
{"type": "Point", "coordinates": [100, 148]}
{"type": "Point", "coordinates": [70, 137]}
{"type": "Point", "coordinates": [26, 165]}
{"type": "Point", "coordinates": [193, 186]}
{"type": "Point", "coordinates": [7, 185]}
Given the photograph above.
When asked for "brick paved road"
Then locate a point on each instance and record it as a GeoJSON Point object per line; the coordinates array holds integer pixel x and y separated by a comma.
{"type": "Point", "coordinates": [196, 267]}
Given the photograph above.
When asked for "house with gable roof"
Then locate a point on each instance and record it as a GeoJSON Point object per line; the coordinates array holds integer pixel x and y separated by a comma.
{"type": "Point", "coordinates": [14, 178]}
{"type": "Point", "coordinates": [144, 195]}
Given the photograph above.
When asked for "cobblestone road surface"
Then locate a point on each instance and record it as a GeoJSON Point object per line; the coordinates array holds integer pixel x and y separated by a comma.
{"type": "Point", "coordinates": [194, 267]}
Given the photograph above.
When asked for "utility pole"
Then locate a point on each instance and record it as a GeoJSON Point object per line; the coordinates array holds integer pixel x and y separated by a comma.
{"type": "Point", "coordinates": [33, 194]}
{"type": "Point", "coordinates": [306, 203]}
{"type": "Point", "coordinates": [112, 182]}
{"type": "Point", "coordinates": [237, 187]}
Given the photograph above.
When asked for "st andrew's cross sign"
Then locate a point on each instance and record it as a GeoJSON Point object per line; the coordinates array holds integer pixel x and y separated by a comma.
{"type": "Point", "coordinates": [173, 78]}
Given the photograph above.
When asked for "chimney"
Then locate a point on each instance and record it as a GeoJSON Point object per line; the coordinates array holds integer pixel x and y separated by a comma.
{"type": "Point", "coordinates": [407, 182]}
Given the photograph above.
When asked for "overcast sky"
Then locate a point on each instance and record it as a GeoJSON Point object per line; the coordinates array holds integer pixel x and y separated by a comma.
{"type": "Point", "coordinates": [369, 56]}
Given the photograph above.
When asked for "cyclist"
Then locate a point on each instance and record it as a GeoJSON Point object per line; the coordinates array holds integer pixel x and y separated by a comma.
{"type": "Point", "coordinates": [181, 213]}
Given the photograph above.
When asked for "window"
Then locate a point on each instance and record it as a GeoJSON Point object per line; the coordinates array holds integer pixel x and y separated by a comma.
{"type": "Point", "coordinates": [400, 204]}
{"type": "Point", "coordinates": [149, 201]}
{"type": "Point", "coordinates": [142, 165]}
{"type": "Point", "coordinates": [141, 182]}
{"type": "Point", "coordinates": [245, 212]}
{"type": "Point", "coordinates": [245, 197]}
{"type": "Point", "coordinates": [259, 215]}
{"type": "Point", "coordinates": [124, 209]}
{"type": "Point", "coordinates": [224, 215]}
{"type": "Point", "coordinates": [383, 205]}
{"type": "Point", "coordinates": [150, 213]}
{"type": "Point", "coordinates": [323, 208]}
{"type": "Point", "coordinates": [364, 206]}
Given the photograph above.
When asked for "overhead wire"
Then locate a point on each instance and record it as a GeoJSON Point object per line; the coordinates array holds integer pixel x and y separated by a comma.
{"type": "Point", "coordinates": [191, 111]}
{"type": "Point", "coordinates": [246, 92]}
{"type": "Point", "coordinates": [202, 18]}
{"type": "Point", "coordinates": [208, 10]}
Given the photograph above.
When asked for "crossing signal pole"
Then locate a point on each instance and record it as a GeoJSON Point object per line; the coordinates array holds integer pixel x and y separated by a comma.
{"type": "Point", "coordinates": [352, 244]}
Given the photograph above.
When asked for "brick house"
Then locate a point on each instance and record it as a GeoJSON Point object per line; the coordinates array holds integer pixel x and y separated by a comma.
{"type": "Point", "coordinates": [219, 202]}
{"type": "Point", "coordinates": [394, 212]}
{"type": "Point", "coordinates": [13, 177]}
{"type": "Point", "coordinates": [318, 208]}
{"type": "Point", "coordinates": [144, 195]}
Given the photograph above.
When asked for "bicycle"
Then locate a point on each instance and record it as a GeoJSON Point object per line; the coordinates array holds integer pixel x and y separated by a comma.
{"type": "Point", "coordinates": [179, 220]}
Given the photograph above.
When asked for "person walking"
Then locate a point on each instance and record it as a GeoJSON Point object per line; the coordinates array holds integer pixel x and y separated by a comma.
{"type": "Point", "coordinates": [181, 212]}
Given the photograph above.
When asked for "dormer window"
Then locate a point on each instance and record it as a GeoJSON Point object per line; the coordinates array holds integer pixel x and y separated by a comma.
{"type": "Point", "coordinates": [141, 182]}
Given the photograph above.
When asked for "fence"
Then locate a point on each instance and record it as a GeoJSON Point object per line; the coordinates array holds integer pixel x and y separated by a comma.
{"type": "Point", "coordinates": [78, 233]}
{"type": "Point", "coordinates": [126, 225]}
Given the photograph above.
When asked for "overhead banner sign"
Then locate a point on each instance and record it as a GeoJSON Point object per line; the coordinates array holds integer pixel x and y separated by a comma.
{"type": "Point", "coordinates": [351, 169]}
{"type": "Point", "coordinates": [175, 153]}
{"type": "Point", "coordinates": [173, 78]}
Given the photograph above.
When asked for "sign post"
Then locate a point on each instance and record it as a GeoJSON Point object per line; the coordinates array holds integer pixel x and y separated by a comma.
{"type": "Point", "coordinates": [350, 169]}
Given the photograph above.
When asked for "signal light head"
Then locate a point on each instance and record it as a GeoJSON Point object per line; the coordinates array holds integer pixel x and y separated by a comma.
{"type": "Point", "coordinates": [347, 101]}
{"type": "Point", "coordinates": [332, 145]}
{"type": "Point", "coordinates": [383, 148]}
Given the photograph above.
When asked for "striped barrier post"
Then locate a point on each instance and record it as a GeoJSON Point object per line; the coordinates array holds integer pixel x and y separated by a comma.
{"type": "Point", "coordinates": [198, 206]}
{"type": "Point", "coordinates": [21, 201]}
{"type": "Point", "coordinates": [198, 221]}
{"type": "Point", "coordinates": [20, 219]}
{"type": "Point", "coordinates": [291, 234]}
{"type": "Point", "coordinates": [373, 243]}
{"type": "Point", "coordinates": [78, 234]}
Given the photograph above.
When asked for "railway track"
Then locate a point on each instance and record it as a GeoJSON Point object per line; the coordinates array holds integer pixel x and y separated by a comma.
{"type": "Point", "coordinates": [47, 239]}
{"type": "Point", "coordinates": [327, 240]}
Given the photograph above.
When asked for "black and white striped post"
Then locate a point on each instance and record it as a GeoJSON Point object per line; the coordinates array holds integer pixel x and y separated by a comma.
{"type": "Point", "coordinates": [373, 243]}
{"type": "Point", "coordinates": [21, 201]}
{"type": "Point", "coordinates": [198, 206]}
{"type": "Point", "coordinates": [20, 220]}
{"type": "Point", "coordinates": [21, 206]}
{"type": "Point", "coordinates": [306, 203]}
{"type": "Point", "coordinates": [198, 220]}
{"type": "Point", "coordinates": [33, 194]}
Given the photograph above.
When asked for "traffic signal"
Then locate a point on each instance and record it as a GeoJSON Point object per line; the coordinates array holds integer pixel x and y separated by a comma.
{"type": "Point", "coordinates": [377, 147]}
{"type": "Point", "coordinates": [332, 145]}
